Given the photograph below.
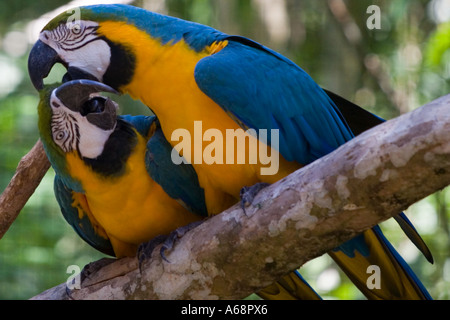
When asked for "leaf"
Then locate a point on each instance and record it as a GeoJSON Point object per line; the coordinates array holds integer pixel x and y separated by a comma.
{"type": "Point", "coordinates": [437, 46]}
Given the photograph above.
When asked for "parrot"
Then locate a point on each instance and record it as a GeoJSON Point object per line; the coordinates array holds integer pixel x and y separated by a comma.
{"type": "Point", "coordinates": [112, 171]}
{"type": "Point", "coordinates": [115, 182]}
{"type": "Point", "coordinates": [190, 74]}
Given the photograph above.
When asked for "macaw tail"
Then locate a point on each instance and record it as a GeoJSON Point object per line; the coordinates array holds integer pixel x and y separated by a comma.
{"type": "Point", "coordinates": [290, 287]}
{"type": "Point", "coordinates": [378, 270]}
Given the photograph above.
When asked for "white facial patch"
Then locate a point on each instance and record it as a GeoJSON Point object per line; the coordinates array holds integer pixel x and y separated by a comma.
{"type": "Point", "coordinates": [71, 131]}
{"type": "Point", "coordinates": [80, 47]}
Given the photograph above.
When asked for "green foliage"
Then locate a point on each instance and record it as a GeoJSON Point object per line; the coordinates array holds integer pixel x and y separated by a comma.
{"type": "Point", "coordinates": [437, 50]}
{"type": "Point", "coordinates": [389, 71]}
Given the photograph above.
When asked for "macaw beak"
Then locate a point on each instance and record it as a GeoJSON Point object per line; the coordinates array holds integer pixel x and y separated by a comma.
{"type": "Point", "coordinates": [76, 93]}
{"type": "Point", "coordinates": [41, 60]}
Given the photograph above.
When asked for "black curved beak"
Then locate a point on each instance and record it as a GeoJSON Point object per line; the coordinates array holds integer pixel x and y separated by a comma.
{"type": "Point", "coordinates": [41, 60]}
{"type": "Point", "coordinates": [76, 94]}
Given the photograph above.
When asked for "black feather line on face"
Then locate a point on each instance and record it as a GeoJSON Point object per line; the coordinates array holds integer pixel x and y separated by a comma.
{"type": "Point", "coordinates": [120, 145]}
{"type": "Point", "coordinates": [122, 65]}
{"type": "Point", "coordinates": [78, 41]}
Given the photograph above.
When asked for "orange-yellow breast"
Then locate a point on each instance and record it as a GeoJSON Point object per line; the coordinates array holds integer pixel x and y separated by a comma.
{"type": "Point", "coordinates": [131, 208]}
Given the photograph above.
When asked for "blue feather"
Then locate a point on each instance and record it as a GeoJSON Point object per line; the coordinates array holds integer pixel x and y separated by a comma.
{"type": "Point", "coordinates": [141, 123]}
{"type": "Point", "coordinates": [178, 181]}
{"type": "Point", "coordinates": [166, 29]}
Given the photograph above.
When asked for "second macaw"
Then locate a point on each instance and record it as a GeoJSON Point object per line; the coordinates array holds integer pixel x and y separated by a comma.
{"type": "Point", "coordinates": [189, 73]}
{"type": "Point", "coordinates": [113, 181]}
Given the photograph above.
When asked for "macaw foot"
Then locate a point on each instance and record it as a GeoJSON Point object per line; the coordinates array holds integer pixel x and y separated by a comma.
{"type": "Point", "coordinates": [146, 249]}
{"type": "Point", "coordinates": [94, 267]}
{"type": "Point", "coordinates": [88, 270]}
{"type": "Point", "coordinates": [177, 234]}
{"type": "Point", "coordinates": [248, 194]}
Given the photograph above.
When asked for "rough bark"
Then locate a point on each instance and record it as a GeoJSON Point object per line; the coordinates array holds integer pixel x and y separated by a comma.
{"type": "Point", "coordinates": [368, 180]}
{"type": "Point", "coordinates": [28, 176]}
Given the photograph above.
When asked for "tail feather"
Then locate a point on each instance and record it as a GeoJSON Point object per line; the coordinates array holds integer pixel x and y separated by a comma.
{"type": "Point", "coordinates": [290, 287]}
{"type": "Point", "coordinates": [414, 236]}
{"type": "Point", "coordinates": [396, 279]}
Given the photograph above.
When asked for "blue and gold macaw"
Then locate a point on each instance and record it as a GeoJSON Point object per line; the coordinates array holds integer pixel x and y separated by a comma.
{"type": "Point", "coordinates": [115, 182]}
{"type": "Point", "coordinates": [188, 73]}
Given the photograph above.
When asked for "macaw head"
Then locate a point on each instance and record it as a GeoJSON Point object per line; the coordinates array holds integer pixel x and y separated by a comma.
{"type": "Point", "coordinates": [73, 39]}
{"type": "Point", "coordinates": [75, 118]}
{"type": "Point", "coordinates": [101, 42]}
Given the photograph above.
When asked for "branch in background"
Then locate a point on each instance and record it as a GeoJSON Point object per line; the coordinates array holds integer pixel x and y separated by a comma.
{"type": "Point", "coordinates": [368, 180]}
{"type": "Point", "coordinates": [28, 176]}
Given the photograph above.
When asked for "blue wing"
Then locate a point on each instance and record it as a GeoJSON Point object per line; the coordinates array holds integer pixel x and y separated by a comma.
{"type": "Point", "coordinates": [178, 181]}
{"type": "Point", "coordinates": [275, 94]}
{"type": "Point", "coordinates": [75, 211]}
{"type": "Point", "coordinates": [261, 89]}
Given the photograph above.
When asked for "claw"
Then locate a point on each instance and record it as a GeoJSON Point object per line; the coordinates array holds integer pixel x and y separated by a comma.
{"type": "Point", "coordinates": [87, 271]}
{"type": "Point", "coordinates": [175, 235]}
{"type": "Point", "coordinates": [146, 249]}
{"type": "Point", "coordinates": [69, 293]}
{"type": "Point", "coordinates": [94, 267]}
{"type": "Point", "coordinates": [248, 194]}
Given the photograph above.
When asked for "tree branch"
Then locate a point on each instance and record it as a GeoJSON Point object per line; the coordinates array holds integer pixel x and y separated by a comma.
{"type": "Point", "coordinates": [368, 180]}
{"type": "Point", "coordinates": [28, 176]}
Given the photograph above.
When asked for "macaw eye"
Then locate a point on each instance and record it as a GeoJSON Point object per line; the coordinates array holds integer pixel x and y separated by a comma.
{"type": "Point", "coordinates": [95, 105]}
{"type": "Point", "coordinates": [76, 29]}
{"type": "Point", "coordinates": [60, 135]}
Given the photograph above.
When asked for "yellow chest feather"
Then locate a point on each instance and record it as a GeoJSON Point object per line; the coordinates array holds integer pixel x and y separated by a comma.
{"type": "Point", "coordinates": [131, 208]}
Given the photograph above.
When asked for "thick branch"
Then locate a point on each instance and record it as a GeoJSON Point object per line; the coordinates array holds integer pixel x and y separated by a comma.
{"type": "Point", "coordinates": [366, 181]}
{"type": "Point", "coordinates": [28, 176]}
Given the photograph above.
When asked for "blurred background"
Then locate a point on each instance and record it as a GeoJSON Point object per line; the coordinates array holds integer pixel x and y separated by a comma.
{"type": "Point", "coordinates": [388, 70]}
